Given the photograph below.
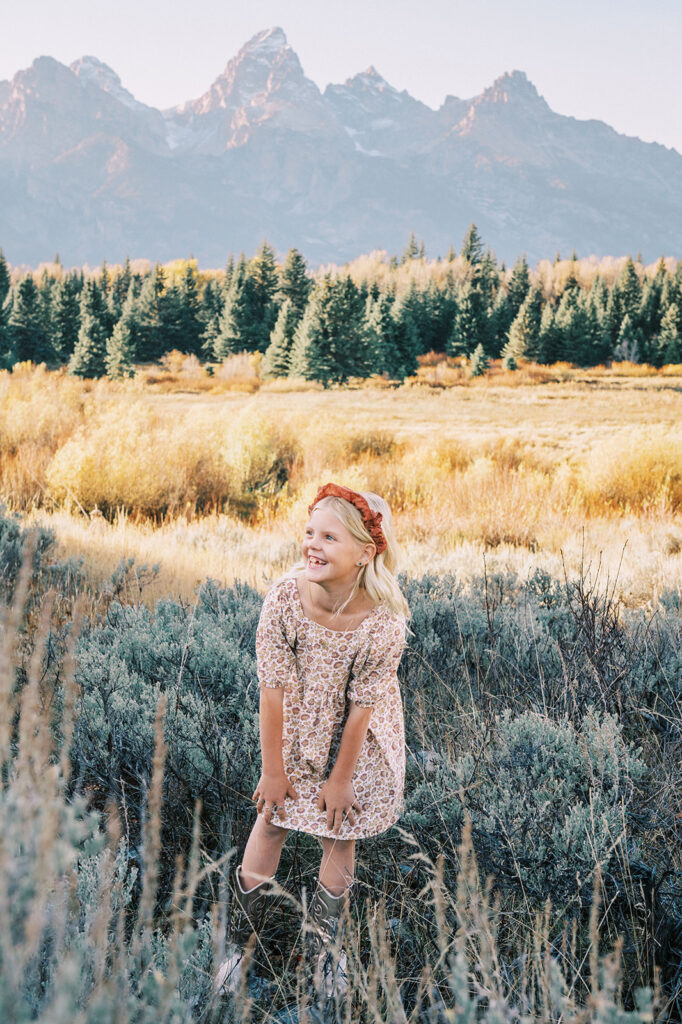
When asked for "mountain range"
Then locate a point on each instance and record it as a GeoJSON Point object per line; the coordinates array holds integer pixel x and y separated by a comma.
{"type": "Point", "coordinates": [89, 171]}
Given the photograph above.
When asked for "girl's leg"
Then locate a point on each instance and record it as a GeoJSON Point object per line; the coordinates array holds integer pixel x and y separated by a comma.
{"type": "Point", "coordinates": [338, 862]}
{"type": "Point", "coordinates": [262, 852]}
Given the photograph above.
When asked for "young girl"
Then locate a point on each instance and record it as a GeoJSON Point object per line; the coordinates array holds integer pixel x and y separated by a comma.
{"type": "Point", "coordinates": [329, 640]}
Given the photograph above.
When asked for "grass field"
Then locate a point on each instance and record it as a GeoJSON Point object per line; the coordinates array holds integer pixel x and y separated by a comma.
{"type": "Point", "coordinates": [568, 677]}
{"type": "Point", "coordinates": [217, 484]}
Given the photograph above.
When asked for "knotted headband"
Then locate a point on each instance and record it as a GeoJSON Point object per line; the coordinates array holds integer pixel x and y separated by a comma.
{"type": "Point", "coordinates": [370, 518]}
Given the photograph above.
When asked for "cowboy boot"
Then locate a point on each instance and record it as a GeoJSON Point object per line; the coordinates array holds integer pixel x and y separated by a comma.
{"type": "Point", "coordinates": [327, 955]}
{"type": "Point", "coordinates": [253, 907]}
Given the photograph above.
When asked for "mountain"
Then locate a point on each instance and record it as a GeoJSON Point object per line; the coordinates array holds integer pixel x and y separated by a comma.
{"type": "Point", "coordinates": [88, 170]}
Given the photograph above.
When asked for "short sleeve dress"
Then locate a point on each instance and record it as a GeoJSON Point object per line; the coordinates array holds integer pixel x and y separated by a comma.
{"type": "Point", "coordinates": [322, 670]}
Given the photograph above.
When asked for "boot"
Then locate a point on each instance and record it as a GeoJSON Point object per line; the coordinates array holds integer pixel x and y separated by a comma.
{"type": "Point", "coordinates": [327, 955]}
{"type": "Point", "coordinates": [253, 907]}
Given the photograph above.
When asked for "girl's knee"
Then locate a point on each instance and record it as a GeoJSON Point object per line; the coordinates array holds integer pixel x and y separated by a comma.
{"type": "Point", "coordinates": [274, 832]}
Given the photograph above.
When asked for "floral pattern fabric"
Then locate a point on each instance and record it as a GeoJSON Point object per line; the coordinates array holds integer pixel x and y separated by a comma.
{"type": "Point", "coordinates": [322, 670]}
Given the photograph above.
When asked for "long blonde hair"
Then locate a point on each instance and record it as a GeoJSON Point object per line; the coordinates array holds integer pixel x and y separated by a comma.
{"type": "Point", "coordinates": [376, 577]}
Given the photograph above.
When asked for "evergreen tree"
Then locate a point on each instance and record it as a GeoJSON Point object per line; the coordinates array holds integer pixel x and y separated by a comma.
{"type": "Point", "coordinates": [548, 341]}
{"type": "Point", "coordinates": [6, 353]}
{"type": "Point", "coordinates": [66, 317]}
{"type": "Point", "coordinates": [651, 309]}
{"type": "Point", "coordinates": [379, 329]}
{"type": "Point", "coordinates": [210, 308]}
{"type": "Point", "coordinates": [150, 339]}
{"type": "Point", "coordinates": [45, 298]}
{"type": "Point", "coordinates": [466, 326]}
{"type": "Point", "coordinates": [669, 341]}
{"type": "Point", "coordinates": [628, 343]}
{"type": "Point", "coordinates": [411, 250]}
{"type": "Point", "coordinates": [404, 335]}
{"type": "Point", "coordinates": [329, 343]}
{"type": "Point", "coordinates": [630, 292]}
{"type": "Point", "coordinates": [26, 324]}
{"type": "Point", "coordinates": [472, 246]}
{"type": "Point", "coordinates": [87, 359]}
{"type": "Point", "coordinates": [277, 358]}
{"type": "Point", "coordinates": [519, 286]}
{"type": "Point", "coordinates": [260, 308]}
{"type": "Point", "coordinates": [571, 327]}
{"type": "Point", "coordinates": [479, 362]}
{"type": "Point", "coordinates": [120, 287]}
{"type": "Point", "coordinates": [294, 282]}
{"type": "Point", "coordinates": [524, 333]}
{"type": "Point", "coordinates": [120, 347]}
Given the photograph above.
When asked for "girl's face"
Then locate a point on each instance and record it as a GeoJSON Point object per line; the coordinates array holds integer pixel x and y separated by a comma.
{"type": "Point", "coordinates": [330, 551]}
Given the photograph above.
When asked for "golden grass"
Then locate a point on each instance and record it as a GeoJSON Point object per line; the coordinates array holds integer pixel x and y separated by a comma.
{"type": "Point", "coordinates": [227, 477]}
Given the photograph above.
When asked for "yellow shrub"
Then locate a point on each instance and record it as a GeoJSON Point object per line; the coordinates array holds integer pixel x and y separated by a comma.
{"type": "Point", "coordinates": [635, 472]}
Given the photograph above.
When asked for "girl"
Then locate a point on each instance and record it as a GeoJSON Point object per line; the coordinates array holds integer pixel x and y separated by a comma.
{"type": "Point", "coordinates": [329, 640]}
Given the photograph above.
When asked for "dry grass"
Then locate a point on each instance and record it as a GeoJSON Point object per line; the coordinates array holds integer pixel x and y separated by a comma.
{"type": "Point", "coordinates": [225, 478]}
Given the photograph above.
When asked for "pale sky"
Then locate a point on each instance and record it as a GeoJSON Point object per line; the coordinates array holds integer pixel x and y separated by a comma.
{"type": "Point", "coordinates": [615, 61]}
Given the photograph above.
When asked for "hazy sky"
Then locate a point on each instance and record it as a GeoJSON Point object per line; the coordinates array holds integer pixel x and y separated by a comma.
{"type": "Point", "coordinates": [619, 62]}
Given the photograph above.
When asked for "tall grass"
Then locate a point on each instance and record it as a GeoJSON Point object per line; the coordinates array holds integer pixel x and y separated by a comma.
{"type": "Point", "coordinates": [87, 936]}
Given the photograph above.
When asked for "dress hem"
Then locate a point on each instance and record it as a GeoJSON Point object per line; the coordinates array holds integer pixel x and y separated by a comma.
{"type": "Point", "coordinates": [328, 834]}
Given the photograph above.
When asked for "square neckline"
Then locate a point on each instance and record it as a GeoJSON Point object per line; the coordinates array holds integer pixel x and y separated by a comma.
{"type": "Point", "coordinates": [329, 629]}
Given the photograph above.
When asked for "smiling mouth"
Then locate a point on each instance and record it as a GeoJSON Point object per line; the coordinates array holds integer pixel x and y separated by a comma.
{"type": "Point", "coordinates": [315, 562]}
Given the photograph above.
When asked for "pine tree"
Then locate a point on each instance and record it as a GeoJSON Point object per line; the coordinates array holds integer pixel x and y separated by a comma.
{"type": "Point", "coordinates": [405, 334]}
{"type": "Point", "coordinates": [630, 292]}
{"type": "Point", "coordinates": [379, 329]}
{"type": "Point", "coordinates": [277, 358]}
{"type": "Point", "coordinates": [258, 298]}
{"type": "Point", "coordinates": [66, 317]}
{"type": "Point", "coordinates": [548, 341]}
{"type": "Point", "coordinates": [294, 282]}
{"type": "Point", "coordinates": [628, 343]}
{"type": "Point", "coordinates": [479, 362]}
{"type": "Point", "coordinates": [571, 327]}
{"type": "Point", "coordinates": [150, 341]}
{"type": "Point", "coordinates": [524, 333]}
{"type": "Point", "coordinates": [6, 352]}
{"type": "Point", "coordinates": [329, 345]}
{"type": "Point", "coordinates": [472, 246]}
{"type": "Point", "coordinates": [26, 324]}
{"type": "Point", "coordinates": [87, 359]}
{"type": "Point", "coordinates": [121, 346]}
{"type": "Point", "coordinates": [519, 286]}
{"type": "Point", "coordinates": [210, 308]}
{"type": "Point", "coordinates": [465, 333]}
{"type": "Point", "coordinates": [669, 341]}
{"type": "Point", "coordinates": [411, 250]}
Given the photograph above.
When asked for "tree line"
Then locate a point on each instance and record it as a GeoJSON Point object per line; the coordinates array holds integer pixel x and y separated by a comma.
{"type": "Point", "coordinates": [329, 326]}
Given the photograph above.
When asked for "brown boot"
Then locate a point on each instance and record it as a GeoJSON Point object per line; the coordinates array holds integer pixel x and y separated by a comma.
{"type": "Point", "coordinates": [253, 906]}
{"type": "Point", "coordinates": [327, 955]}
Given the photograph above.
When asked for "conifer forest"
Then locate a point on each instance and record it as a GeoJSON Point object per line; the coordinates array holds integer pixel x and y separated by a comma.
{"type": "Point", "coordinates": [163, 430]}
{"type": "Point", "coordinates": [373, 317]}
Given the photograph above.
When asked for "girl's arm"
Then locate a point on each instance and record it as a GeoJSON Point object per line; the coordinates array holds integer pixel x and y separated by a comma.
{"type": "Point", "coordinates": [273, 785]}
{"type": "Point", "coordinates": [337, 793]}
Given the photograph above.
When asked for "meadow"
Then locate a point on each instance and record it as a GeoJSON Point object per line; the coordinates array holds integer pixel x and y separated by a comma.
{"type": "Point", "coordinates": [536, 873]}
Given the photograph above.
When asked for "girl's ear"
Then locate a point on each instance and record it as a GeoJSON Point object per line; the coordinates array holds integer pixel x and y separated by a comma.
{"type": "Point", "coordinates": [368, 553]}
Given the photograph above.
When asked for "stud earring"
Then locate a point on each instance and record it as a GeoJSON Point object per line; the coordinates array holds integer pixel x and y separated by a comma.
{"type": "Point", "coordinates": [360, 563]}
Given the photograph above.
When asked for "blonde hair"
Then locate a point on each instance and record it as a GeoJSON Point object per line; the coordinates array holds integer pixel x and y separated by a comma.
{"type": "Point", "coordinates": [376, 577]}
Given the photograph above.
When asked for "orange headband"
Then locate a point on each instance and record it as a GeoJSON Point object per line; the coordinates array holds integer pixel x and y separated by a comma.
{"type": "Point", "coordinates": [370, 518]}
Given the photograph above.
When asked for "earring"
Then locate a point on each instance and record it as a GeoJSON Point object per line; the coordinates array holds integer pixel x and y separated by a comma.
{"type": "Point", "coordinates": [360, 563]}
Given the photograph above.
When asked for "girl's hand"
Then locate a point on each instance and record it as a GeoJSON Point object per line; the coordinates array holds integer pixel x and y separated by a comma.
{"type": "Point", "coordinates": [270, 793]}
{"type": "Point", "coordinates": [338, 798]}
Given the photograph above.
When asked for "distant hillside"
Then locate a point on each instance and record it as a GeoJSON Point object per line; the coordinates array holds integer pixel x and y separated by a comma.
{"type": "Point", "coordinates": [88, 170]}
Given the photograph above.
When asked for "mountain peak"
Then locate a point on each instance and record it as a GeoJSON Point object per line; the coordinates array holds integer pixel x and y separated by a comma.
{"type": "Point", "coordinates": [269, 39]}
{"type": "Point", "coordinates": [512, 86]}
{"type": "Point", "coordinates": [95, 71]}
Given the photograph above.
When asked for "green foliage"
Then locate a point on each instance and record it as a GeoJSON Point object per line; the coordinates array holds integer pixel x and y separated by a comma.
{"type": "Point", "coordinates": [88, 357]}
{"type": "Point", "coordinates": [479, 362]}
{"type": "Point", "coordinates": [27, 325]}
{"type": "Point", "coordinates": [524, 333]}
{"type": "Point", "coordinates": [329, 345]}
{"type": "Point", "coordinates": [277, 358]}
{"type": "Point", "coordinates": [122, 345]}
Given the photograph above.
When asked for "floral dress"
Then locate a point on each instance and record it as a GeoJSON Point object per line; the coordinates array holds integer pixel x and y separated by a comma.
{"type": "Point", "coordinates": [321, 671]}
